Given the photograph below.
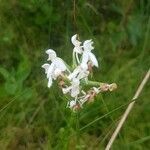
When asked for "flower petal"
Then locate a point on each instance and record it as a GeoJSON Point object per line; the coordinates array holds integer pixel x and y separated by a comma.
{"type": "Point", "coordinates": [88, 45]}
{"type": "Point", "coordinates": [66, 90]}
{"type": "Point", "coordinates": [46, 66]}
{"type": "Point", "coordinates": [78, 49]}
{"type": "Point", "coordinates": [93, 59]}
{"type": "Point", "coordinates": [75, 87]}
{"type": "Point", "coordinates": [51, 54]}
{"type": "Point", "coordinates": [59, 63]}
{"type": "Point", "coordinates": [85, 57]}
{"type": "Point", "coordinates": [49, 82]}
{"type": "Point", "coordinates": [57, 73]}
{"type": "Point", "coordinates": [74, 73]}
{"type": "Point", "coordinates": [50, 70]}
{"type": "Point", "coordinates": [74, 40]}
{"type": "Point", "coordinates": [72, 103]}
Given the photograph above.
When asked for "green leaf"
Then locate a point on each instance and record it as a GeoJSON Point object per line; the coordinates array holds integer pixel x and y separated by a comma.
{"type": "Point", "coordinates": [4, 73]}
{"type": "Point", "coordinates": [10, 88]}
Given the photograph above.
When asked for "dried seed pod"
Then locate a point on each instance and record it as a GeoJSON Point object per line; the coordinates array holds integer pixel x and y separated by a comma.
{"type": "Point", "coordinates": [76, 107]}
{"type": "Point", "coordinates": [61, 84]}
{"type": "Point", "coordinates": [104, 87]}
{"type": "Point", "coordinates": [112, 87]}
{"type": "Point", "coordinates": [91, 94]}
{"type": "Point", "coordinates": [90, 66]}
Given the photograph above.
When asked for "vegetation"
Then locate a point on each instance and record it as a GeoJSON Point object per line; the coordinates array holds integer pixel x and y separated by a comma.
{"type": "Point", "coordinates": [35, 117]}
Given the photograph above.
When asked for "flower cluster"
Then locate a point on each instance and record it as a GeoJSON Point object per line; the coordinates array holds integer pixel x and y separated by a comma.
{"type": "Point", "coordinates": [73, 81]}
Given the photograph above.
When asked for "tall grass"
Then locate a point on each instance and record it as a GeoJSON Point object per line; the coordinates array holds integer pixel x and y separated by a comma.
{"type": "Point", "coordinates": [33, 116]}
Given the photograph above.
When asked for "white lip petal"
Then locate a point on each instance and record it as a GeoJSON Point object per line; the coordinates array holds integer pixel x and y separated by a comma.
{"type": "Point", "coordinates": [50, 70]}
{"type": "Point", "coordinates": [49, 82]}
{"type": "Point", "coordinates": [93, 59]}
{"type": "Point", "coordinates": [85, 57]}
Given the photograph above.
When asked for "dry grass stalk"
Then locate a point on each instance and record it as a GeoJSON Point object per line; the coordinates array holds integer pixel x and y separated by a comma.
{"type": "Point", "coordinates": [126, 113]}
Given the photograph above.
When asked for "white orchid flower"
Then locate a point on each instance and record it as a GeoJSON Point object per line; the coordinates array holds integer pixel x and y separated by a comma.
{"type": "Point", "coordinates": [74, 89]}
{"type": "Point", "coordinates": [88, 45]}
{"type": "Point", "coordinates": [49, 70]}
{"type": "Point", "coordinates": [84, 99]}
{"type": "Point", "coordinates": [80, 72]}
{"type": "Point", "coordinates": [50, 81]}
{"type": "Point", "coordinates": [71, 104]}
{"type": "Point", "coordinates": [83, 74]}
{"type": "Point", "coordinates": [54, 69]}
{"type": "Point", "coordinates": [87, 54]}
{"type": "Point", "coordinates": [96, 90]}
{"type": "Point", "coordinates": [51, 54]}
{"type": "Point", "coordinates": [77, 47]}
{"type": "Point", "coordinates": [69, 82]}
{"type": "Point", "coordinates": [76, 43]}
{"type": "Point", "coordinates": [58, 62]}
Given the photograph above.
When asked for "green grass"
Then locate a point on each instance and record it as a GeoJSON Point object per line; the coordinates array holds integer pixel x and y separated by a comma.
{"type": "Point", "coordinates": [35, 117]}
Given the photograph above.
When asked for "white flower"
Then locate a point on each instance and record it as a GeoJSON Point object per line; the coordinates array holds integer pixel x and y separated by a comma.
{"type": "Point", "coordinates": [74, 40]}
{"type": "Point", "coordinates": [83, 74]}
{"type": "Point", "coordinates": [77, 48]}
{"type": "Point", "coordinates": [80, 72]}
{"type": "Point", "coordinates": [96, 90]}
{"type": "Point", "coordinates": [72, 104]}
{"type": "Point", "coordinates": [49, 70]}
{"type": "Point", "coordinates": [74, 89]}
{"type": "Point", "coordinates": [88, 45]}
{"type": "Point", "coordinates": [58, 62]}
{"type": "Point", "coordinates": [87, 54]}
{"type": "Point", "coordinates": [84, 99]}
{"type": "Point", "coordinates": [54, 69]}
{"type": "Point", "coordinates": [49, 82]}
{"type": "Point", "coordinates": [51, 54]}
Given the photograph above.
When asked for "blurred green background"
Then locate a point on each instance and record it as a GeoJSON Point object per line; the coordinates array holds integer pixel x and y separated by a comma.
{"type": "Point", "coordinates": [35, 117]}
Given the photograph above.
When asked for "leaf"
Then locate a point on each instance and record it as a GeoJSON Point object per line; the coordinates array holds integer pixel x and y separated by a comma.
{"type": "Point", "coordinates": [10, 88]}
{"type": "Point", "coordinates": [23, 69]}
{"type": "Point", "coordinates": [4, 73]}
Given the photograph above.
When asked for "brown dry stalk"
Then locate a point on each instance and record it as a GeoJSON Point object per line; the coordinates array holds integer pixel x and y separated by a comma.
{"type": "Point", "coordinates": [126, 113]}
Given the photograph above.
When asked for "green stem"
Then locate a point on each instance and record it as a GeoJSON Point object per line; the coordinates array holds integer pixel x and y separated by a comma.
{"type": "Point", "coordinates": [77, 129]}
{"type": "Point", "coordinates": [93, 83]}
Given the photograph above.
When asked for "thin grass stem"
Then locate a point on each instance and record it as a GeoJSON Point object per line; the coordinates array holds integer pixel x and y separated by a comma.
{"type": "Point", "coordinates": [126, 113]}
